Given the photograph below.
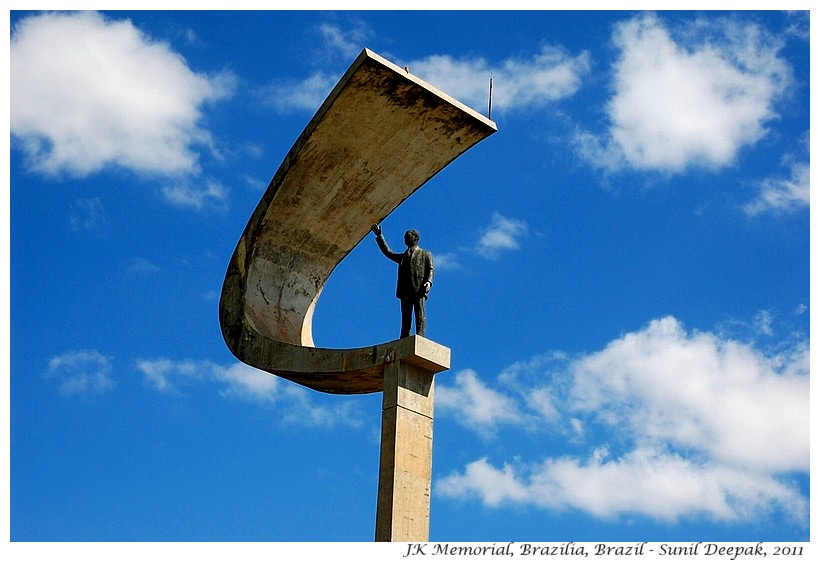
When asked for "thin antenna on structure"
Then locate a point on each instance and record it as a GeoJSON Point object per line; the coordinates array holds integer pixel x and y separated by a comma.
{"type": "Point", "coordinates": [490, 102]}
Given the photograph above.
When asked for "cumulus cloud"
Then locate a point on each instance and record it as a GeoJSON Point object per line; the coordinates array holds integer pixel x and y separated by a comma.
{"type": "Point", "coordinates": [698, 391]}
{"type": "Point", "coordinates": [695, 99]}
{"type": "Point", "coordinates": [88, 92]}
{"type": "Point", "coordinates": [783, 194]}
{"type": "Point", "coordinates": [493, 485]}
{"type": "Point", "coordinates": [547, 76]}
{"type": "Point", "coordinates": [478, 406]}
{"type": "Point", "coordinates": [81, 373]}
{"type": "Point", "coordinates": [678, 424]}
{"type": "Point", "coordinates": [655, 484]}
{"type": "Point", "coordinates": [503, 234]}
{"type": "Point", "coordinates": [240, 381]}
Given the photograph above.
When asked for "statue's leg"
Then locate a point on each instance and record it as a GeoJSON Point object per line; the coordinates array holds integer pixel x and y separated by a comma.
{"type": "Point", "coordinates": [421, 319]}
{"type": "Point", "coordinates": [406, 317]}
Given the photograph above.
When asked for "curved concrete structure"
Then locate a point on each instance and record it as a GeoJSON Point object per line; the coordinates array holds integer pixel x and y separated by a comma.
{"type": "Point", "coordinates": [378, 137]}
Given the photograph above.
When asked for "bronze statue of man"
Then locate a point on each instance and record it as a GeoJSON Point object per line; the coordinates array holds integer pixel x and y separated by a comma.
{"type": "Point", "coordinates": [414, 280]}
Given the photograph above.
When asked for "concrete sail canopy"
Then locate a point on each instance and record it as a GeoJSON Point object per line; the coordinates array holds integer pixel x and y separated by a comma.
{"type": "Point", "coordinates": [379, 136]}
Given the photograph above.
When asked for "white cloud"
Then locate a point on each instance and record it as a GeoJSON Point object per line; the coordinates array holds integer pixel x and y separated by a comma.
{"type": "Point", "coordinates": [307, 94]}
{"type": "Point", "coordinates": [347, 43]}
{"type": "Point", "coordinates": [89, 92]}
{"type": "Point", "coordinates": [494, 486]}
{"type": "Point", "coordinates": [701, 424]}
{"type": "Point", "coordinates": [692, 100]}
{"type": "Point", "coordinates": [548, 76]}
{"type": "Point", "coordinates": [156, 373]}
{"type": "Point", "coordinates": [475, 405]}
{"type": "Point", "coordinates": [81, 373]}
{"type": "Point", "coordinates": [303, 410]}
{"type": "Point", "coordinates": [799, 24]}
{"type": "Point", "coordinates": [503, 234]}
{"type": "Point", "coordinates": [244, 381]}
{"type": "Point", "coordinates": [659, 485]}
{"type": "Point", "coordinates": [701, 392]}
{"type": "Point", "coordinates": [240, 381]}
{"type": "Point", "coordinates": [212, 194]}
{"type": "Point", "coordinates": [446, 261]}
{"type": "Point", "coordinates": [763, 322]}
{"type": "Point", "coordinates": [783, 194]}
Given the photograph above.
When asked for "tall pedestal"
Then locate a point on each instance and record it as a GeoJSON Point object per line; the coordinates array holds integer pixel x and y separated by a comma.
{"type": "Point", "coordinates": [406, 462]}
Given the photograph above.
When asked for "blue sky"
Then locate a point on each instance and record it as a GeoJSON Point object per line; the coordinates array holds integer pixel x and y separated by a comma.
{"type": "Point", "coordinates": [622, 276]}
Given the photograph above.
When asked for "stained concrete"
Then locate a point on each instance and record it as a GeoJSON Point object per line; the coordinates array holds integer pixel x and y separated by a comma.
{"type": "Point", "coordinates": [406, 454]}
{"type": "Point", "coordinates": [379, 136]}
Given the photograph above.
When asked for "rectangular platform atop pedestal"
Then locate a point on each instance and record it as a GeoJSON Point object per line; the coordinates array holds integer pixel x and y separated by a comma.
{"type": "Point", "coordinates": [423, 353]}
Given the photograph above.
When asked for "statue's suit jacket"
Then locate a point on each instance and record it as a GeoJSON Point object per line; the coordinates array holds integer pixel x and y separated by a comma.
{"type": "Point", "coordinates": [414, 271]}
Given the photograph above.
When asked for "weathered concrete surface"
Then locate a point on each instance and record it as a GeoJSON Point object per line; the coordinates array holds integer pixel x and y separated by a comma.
{"type": "Point", "coordinates": [406, 454]}
{"type": "Point", "coordinates": [378, 137]}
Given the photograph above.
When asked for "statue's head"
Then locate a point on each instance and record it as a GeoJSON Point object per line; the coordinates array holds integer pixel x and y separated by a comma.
{"type": "Point", "coordinates": [411, 237]}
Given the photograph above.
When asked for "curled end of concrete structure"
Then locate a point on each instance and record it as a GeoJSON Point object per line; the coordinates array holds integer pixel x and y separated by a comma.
{"type": "Point", "coordinates": [378, 137]}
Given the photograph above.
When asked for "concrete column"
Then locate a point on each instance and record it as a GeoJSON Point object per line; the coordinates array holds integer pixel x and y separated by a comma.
{"type": "Point", "coordinates": [406, 462]}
